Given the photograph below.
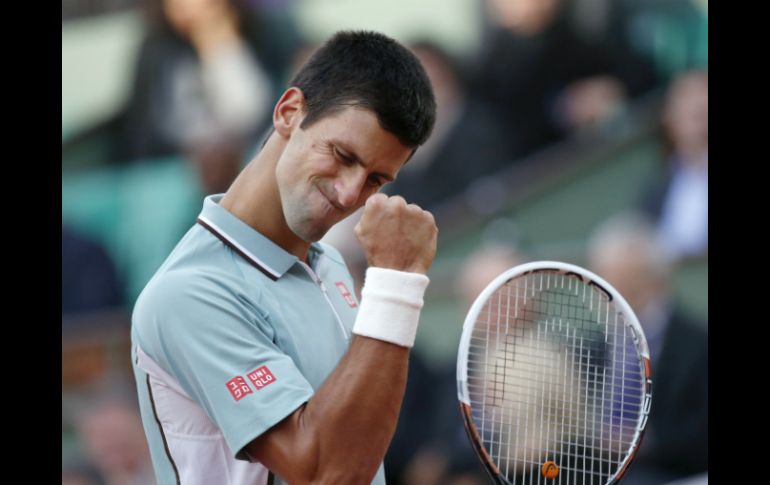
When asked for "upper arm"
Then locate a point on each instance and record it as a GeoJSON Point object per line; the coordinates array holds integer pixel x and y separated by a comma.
{"type": "Point", "coordinates": [289, 449]}
{"type": "Point", "coordinates": [221, 352]}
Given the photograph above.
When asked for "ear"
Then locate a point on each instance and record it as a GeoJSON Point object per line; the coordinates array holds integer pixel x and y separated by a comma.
{"type": "Point", "coordinates": [289, 111]}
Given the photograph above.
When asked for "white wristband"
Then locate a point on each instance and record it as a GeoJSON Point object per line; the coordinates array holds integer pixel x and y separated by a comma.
{"type": "Point", "coordinates": [390, 305]}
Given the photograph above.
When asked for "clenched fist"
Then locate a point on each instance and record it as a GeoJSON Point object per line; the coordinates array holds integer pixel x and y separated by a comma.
{"type": "Point", "coordinates": [397, 235]}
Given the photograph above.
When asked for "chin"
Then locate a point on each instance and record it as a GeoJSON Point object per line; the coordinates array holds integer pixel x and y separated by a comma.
{"type": "Point", "coordinates": [308, 232]}
{"type": "Point", "coordinates": [311, 238]}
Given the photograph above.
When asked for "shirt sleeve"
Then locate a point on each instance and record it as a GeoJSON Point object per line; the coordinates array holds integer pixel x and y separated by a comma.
{"type": "Point", "coordinates": [219, 347]}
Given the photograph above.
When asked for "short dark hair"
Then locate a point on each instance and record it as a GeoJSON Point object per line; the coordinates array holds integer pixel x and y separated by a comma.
{"type": "Point", "coordinates": [372, 71]}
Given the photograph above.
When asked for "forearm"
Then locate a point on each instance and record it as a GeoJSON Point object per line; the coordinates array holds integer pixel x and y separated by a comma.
{"type": "Point", "coordinates": [342, 433]}
{"type": "Point", "coordinates": [353, 415]}
{"type": "Point", "coordinates": [356, 410]}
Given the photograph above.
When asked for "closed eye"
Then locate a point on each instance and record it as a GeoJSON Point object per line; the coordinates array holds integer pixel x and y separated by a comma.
{"type": "Point", "coordinates": [346, 159]}
{"type": "Point", "coordinates": [376, 181]}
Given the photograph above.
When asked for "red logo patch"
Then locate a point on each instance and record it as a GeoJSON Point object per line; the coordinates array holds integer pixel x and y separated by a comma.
{"type": "Point", "coordinates": [238, 387]}
{"type": "Point", "coordinates": [346, 294]}
{"type": "Point", "coordinates": [261, 377]}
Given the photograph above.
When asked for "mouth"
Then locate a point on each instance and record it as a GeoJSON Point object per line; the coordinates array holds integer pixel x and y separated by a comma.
{"type": "Point", "coordinates": [329, 200]}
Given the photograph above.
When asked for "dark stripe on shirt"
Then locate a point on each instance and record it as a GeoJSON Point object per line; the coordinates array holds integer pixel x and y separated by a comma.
{"type": "Point", "coordinates": [162, 434]}
{"type": "Point", "coordinates": [240, 253]}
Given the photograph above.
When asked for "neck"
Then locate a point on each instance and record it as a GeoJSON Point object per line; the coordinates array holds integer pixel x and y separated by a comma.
{"type": "Point", "coordinates": [253, 198]}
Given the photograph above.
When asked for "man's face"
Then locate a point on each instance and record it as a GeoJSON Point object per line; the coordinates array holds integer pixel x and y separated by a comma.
{"type": "Point", "coordinates": [329, 169]}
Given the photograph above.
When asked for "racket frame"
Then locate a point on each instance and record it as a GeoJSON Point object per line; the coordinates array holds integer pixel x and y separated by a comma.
{"type": "Point", "coordinates": [586, 277]}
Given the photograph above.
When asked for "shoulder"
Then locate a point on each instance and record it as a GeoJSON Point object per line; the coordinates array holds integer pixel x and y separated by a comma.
{"type": "Point", "coordinates": [198, 312]}
{"type": "Point", "coordinates": [181, 299]}
{"type": "Point", "coordinates": [203, 283]}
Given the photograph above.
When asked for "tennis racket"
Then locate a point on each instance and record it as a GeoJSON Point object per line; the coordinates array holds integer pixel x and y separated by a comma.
{"type": "Point", "coordinates": [554, 377]}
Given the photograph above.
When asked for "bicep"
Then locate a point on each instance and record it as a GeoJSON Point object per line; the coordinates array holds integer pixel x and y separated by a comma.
{"type": "Point", "coordinates": [288, 449]}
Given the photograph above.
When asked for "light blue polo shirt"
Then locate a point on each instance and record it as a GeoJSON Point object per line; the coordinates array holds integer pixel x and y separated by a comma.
{"type": "Point", "coordinates": [230, 336]}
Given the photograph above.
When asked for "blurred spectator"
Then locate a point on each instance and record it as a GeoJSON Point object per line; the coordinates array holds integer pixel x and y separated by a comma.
{"type": "Point", "coordinates": [626, 252]}
{"type": "Point", "coordinates": [111, 432]}
{"type": "Point", "coordinates": [467, 141]}
{"type": "Point", "coordinates": [430, 446]}
{"type": "Point", "coordinates": [545, 80]}
{"type": "Point", "coordinates": [678, 201]}
{"type": "Point", "coordinates": [207, 75]}
{"type": "Point", "coordinates": [89, 280]}
{"type": "Point", "coordinates": [484, 265]}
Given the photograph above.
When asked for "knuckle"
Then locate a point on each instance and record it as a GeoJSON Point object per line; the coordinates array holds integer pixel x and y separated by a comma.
{"type": "Point", "coordinates": [375, 199]}
{"type": "Point", "coordinates": [398, 201]}
{"type": "Point", "coordinates": [414, 209]}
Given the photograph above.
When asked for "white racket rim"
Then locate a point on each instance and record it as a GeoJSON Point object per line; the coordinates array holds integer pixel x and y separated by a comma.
{"type": "Point", "coordinates": [622, 307]}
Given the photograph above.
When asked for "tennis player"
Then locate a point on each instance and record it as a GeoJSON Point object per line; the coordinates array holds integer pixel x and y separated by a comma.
{"type": "Point", "coordinates": [254, 361]}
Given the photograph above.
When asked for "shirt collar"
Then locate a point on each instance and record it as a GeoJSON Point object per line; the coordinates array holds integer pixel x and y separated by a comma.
{"type": "Point", "coordinates": [260, 251]}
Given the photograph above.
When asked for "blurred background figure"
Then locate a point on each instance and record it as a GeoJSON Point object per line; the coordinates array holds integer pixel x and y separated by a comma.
{"type": "Point", "coordinates": [89, 279]}
{"type": "Point", "coordinates": [205, 81]}
{"type": "Point", "coordinates": [626, 252]}
{"type": "Point", "coordinates": [678, 201]}
{"type": "Point", "coordinates": [545, 80]}
{"type": "Point", "coordinates": [467, 141]}
{"type": "Point", "coordinates": [112, 437]}
{"type": "Point", "coordinates": [484, 265]}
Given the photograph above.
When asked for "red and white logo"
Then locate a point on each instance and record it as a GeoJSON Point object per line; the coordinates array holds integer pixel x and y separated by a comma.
{"type": "Point", "coordinates": [261, 377]}
{"type": "Point", "coordinates": [346, 294]}
{"type": "Point", "coordinates": [238, 387]}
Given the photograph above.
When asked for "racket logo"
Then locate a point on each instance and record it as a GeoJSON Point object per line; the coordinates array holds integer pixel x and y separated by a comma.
{"type": "Point", "coordinates": [550, 469]}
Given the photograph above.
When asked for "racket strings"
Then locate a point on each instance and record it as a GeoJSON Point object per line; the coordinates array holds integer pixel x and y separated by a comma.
{"type": "Point", "coordinates": [553, 374]}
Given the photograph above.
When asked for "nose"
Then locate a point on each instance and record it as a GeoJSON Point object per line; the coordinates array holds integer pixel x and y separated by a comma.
{"type": "Point", "coordinates": [348, 187]}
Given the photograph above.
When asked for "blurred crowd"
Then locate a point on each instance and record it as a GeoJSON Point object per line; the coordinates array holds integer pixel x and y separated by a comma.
{"type": "Point", "coordinates": [206, 77]}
